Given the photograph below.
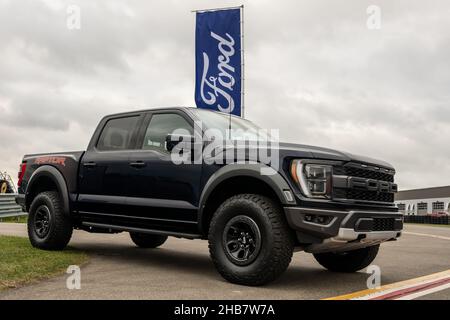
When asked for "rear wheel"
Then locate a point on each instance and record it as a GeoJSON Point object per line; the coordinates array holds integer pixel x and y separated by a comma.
{"type": "Point", "coordinates": [49, 228]}
{"type": "Point", "coordinates": [143, 240]}
{"type": "Point", "coordinates": [249, 240]}
{"type": "Point", "coordinates": [349, 261]}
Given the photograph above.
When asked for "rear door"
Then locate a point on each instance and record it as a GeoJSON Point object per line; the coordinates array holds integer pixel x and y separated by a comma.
{"type": "Point", "coordinates": [163, 193]}
{"type": "Point", "coordinates": [105, 167]}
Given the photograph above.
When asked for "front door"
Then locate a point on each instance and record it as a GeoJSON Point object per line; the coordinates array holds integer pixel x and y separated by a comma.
{"type": "Point", "coordinates": [161, 192]}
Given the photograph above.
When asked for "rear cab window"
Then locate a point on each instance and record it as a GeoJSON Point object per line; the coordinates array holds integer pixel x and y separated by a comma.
{"type": "Point", "coordinates": [117, 134]}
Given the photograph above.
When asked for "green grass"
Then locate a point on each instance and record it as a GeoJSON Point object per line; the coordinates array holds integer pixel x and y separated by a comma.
{"type": "Point", "coordinates": [22, 219]}
{"type": "Point", "coordinates": [20, 263]}
{"type": "Point", "coordinates": [430, 225]}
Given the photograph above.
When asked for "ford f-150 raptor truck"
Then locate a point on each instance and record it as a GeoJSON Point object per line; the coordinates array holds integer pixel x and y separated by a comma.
{"type": "Point", "coordinates": [335, 205]}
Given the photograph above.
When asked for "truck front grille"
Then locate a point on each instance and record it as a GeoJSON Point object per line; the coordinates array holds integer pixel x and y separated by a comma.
{"type": "Point", "coordinates": [364, 183]}
{"type": "Point", "coordinates": [372, 196]}
{"type": "Point", "coordinates": [352, 171]}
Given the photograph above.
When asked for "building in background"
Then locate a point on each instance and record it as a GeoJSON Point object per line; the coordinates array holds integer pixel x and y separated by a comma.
{"type": "Point", "coordinates": [422, 202]}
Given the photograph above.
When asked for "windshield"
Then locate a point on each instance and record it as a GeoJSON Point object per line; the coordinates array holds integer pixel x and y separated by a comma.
{"type": "Point", "coordinates": [241, 129]}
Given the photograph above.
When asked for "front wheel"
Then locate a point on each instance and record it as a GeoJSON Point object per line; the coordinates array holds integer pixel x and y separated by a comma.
{"type": "Point", "coordinates": [349, 261]}
{"type": "Point", "coordinates": [249, 240]}
{"type": "Point", "coordinates": [49, 228]}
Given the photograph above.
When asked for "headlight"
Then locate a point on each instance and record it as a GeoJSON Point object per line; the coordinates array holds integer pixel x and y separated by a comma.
{"type": "Point", "coordinates": [313, 179]}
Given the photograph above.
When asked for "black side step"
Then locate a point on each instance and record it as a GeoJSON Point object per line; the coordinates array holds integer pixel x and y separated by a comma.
{"type": "Point", "coordinates": [140, 230]}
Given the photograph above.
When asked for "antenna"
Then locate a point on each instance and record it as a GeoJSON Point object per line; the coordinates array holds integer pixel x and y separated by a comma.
{"type": "Point", "coordinates": [229, 127]}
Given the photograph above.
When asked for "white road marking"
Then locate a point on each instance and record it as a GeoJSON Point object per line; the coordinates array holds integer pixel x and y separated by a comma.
{"type": "Point", "coordinates": [395, 289]}
{"type": "Point", "coordinates": [425, 292]}
{"type": "Point", "coordinates": [426, 235]}
{"type": "Point", "coordinates": [400, 289]}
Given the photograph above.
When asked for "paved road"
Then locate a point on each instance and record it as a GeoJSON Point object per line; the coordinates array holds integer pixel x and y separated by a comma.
{"type": "Point", "coordinates": [181, 269]}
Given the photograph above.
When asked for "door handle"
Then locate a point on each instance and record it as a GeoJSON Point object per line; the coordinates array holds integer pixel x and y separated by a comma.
{"type": "Point", "coordinates": [138, 164]}
{"type": "Point", "coordinates": [89, 164]}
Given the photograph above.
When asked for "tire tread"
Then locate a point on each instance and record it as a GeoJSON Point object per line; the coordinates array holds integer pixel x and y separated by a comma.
{"type": "Point", "coordinates": [62, 230]}
{"type": "Point", "coordinates": [149, 241]}
{"type": "Point", "coordinates": [283, 243]}
{"type": "Point", "coordinates": [354, 260]}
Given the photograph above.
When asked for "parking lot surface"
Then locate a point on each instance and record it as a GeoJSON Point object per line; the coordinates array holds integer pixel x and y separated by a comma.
{"type": "Point", "coordinates": [182, 269]}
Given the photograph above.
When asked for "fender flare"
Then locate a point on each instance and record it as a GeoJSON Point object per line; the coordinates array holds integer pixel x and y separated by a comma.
{"type": "Point", "coordinates": [275, 181]}
{"type": "Point", "coordinates": [57, 178]}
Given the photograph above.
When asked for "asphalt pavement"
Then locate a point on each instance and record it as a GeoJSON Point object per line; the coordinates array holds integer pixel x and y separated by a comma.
{"type": "Point", "coordinates": [182, 269]}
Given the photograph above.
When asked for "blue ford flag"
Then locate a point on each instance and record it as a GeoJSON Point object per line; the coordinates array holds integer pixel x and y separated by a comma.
{"type": "Point", "coordinates": [218, 61]}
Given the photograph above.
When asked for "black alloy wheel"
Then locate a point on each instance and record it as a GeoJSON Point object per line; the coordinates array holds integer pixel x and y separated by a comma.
{"type": "Point", "coordinates": [242, 240]}
{"type": "Point", "coordinates": [42, 221]}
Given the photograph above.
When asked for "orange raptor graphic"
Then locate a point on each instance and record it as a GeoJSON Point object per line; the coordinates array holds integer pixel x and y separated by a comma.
{"type": "Point", "coordinates": [51, 160]}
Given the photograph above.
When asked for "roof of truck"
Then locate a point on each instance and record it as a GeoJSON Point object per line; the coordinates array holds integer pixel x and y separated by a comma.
{"type": "Point", "coordinates": [164, 109]}
{"type": "Point", "coordinates": [149, 110]}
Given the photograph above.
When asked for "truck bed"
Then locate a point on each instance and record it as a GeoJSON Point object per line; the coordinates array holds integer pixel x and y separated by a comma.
{"type": "Point", "coordinates": [67, 163]}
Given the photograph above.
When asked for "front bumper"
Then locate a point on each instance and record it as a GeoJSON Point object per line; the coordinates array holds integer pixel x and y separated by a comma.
{"type": "Point", "coordinates": [322, 230]}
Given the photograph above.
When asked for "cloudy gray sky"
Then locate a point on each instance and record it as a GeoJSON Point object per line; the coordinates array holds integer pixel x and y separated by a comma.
{"type": "Point", "coordinates": [313, 69]}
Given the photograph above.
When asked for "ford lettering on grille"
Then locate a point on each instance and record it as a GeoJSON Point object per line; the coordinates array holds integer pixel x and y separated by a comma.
{"type": "Point", "coordinates": [363, 183]}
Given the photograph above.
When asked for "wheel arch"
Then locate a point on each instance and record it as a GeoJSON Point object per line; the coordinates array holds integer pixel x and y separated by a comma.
{"type": "Point", "coordinates": [47, 178]}
{"type": "Point", "coordinates": [242, 178]}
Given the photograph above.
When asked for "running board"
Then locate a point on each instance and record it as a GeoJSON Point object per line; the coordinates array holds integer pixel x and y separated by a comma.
{"type": "Point", "coordinates": [140, 230]}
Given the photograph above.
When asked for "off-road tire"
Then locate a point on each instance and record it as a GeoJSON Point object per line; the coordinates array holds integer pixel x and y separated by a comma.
{"type": "Point", "coordinates": [60, 225]}
{"type": "Point", "coordinates": [277, 240]}
{"type": "Point", "coordinates": [147, 240]}
{"type": "Point", "coordinates": [349, 261]}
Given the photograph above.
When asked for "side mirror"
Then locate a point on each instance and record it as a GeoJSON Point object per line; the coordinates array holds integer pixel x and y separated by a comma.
{"type": "Point", "coordinates": [172, 140]}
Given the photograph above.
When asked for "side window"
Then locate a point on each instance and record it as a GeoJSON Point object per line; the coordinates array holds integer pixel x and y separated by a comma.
{"type": "Point", "coordinates": [116, 134]}
{"type": "Point", "coordinates": [162, 125]}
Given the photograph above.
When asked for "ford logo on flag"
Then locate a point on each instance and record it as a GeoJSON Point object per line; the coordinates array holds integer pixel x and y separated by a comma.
{"type": "Point", "coordinates": [218, 61]}
{"type": "Point", "coordinates": [223, 83]}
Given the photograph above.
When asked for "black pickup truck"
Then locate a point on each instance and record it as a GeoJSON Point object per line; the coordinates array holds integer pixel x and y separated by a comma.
{"type": "Point", "coordinates": [335, 205]}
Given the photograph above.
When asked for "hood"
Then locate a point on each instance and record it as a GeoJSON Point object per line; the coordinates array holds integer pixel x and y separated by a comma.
{"type": "Point", "coordinates": [292, 149]}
